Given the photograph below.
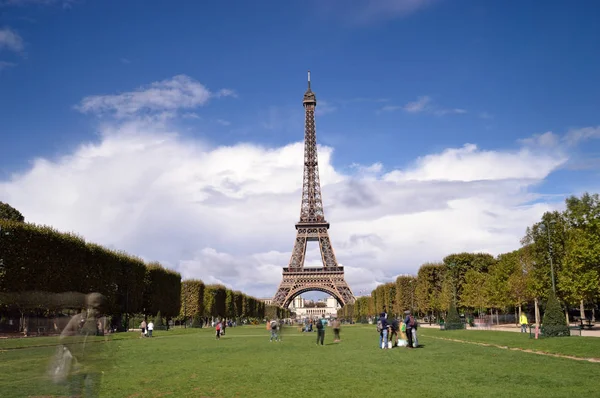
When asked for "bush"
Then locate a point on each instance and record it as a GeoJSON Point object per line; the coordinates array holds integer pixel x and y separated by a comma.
{"type": "Point", "coordinates": [453, 321]}
{"type": "Point", "coordinates": [554, 323]}
{"type": "Point", "coordinates": [197, 321]}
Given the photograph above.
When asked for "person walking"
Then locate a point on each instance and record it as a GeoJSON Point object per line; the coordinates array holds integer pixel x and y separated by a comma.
{"type": "Point", "coordinates": [218, 330]}
{"type": "Point", "coordinates": [274, 331]}
{"type": "Point", "coordinates": [394, 328]}
{"type": "Point", "coordinates": [409, 327]}
{"type": "Point", "coordinates": [143, 327]}
{"type": "Point", "coordinates": [382, 326]}
{"type": "Point", "coordinates": [320, 323]}
{"type": "Point", "coordinates": [335, 324]}
{"type": "Point", "coordinates": [80, 360]}
{"type": "Point", "coordinates": [524, 322]}
{"type": "Point", "coordinates": [150, 328]}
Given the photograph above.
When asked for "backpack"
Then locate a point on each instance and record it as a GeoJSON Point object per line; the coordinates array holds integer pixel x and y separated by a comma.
{"type": "Point", "coordinates": [273, 325]}
{"type": "Point", "coordinates": [379, 326]}
{"type": "Point", "coordinates": [411, 322]}
{"type": "Point", "coordinates": [319, 324]}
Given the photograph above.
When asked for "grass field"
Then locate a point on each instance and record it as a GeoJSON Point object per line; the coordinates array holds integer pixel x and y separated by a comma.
{"type": "Point", "coordinates": [190, 363]}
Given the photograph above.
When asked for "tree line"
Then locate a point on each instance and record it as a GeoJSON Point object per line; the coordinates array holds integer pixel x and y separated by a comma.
{"type": "Point", "coordinates": [44, 271]}
{"type": "Point", "coordinates": [560, 253]}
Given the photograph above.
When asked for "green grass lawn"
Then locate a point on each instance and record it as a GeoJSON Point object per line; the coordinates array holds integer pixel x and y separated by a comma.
{"type": "Point", "coordinates": [191, 363]}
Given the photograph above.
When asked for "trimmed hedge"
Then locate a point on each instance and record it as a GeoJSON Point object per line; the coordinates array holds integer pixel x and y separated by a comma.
{"type": "Point", "coordinates": [192, 298]}
{"type": "Point", "coordinates": [40, 259]}
{"type": "Point", "coordinates": [554, 323]}
{"type": "Point", "coordinates": [40, 264]}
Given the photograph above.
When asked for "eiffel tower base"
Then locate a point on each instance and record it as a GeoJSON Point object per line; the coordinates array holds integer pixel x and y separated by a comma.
{"type": "Point", "coordinates": [304, 280]}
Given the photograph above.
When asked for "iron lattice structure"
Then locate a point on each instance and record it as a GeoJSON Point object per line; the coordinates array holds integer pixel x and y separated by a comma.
{"type": "Point", "coordinates": [312, 227]}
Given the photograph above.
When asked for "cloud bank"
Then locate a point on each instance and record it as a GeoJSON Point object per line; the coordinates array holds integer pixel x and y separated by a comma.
{"type": "Point", "coordinates": [226, 213]}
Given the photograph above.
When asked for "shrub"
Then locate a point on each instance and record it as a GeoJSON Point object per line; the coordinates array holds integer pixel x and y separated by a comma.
{"type": "Point", "coordinates": [197, 321]}
{"type": "Point", "coordinates": [453, 320]}
{"type": "Point", "coordinates": [554, 323]}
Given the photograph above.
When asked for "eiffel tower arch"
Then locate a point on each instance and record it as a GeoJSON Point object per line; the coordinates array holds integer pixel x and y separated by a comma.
{"type": "Point", "coordinates": [312, 227]}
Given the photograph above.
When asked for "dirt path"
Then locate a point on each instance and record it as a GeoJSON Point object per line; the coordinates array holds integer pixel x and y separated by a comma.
{"type": "Point", "coordinates": [529, 351]}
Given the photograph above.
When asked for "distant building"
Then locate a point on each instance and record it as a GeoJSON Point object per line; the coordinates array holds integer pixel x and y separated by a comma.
{"type": "Point", "coordinates": [314, 309]}
{"type": "Point", "coordinates": [267, 301]}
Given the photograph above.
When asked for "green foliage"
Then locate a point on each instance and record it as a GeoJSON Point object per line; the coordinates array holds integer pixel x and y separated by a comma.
{"type": "Point", "coordinates": [429, 287]}
{"type": "Point", "coordinates": [162, 291]}
{"type": "Point", "coordinates": [458, 265]}
{"type": "Point", "coordinates": [229, 304]}
{"type": "Point", "coordinates": [579, 279]}
{"type": "Point", "coordinates": [405, 293]}
{"type": "Point", "coordinates": [554, 323]}
{"type": "Point", "coordinates": [271, 312]}
{"type": "Point", "coordinates": [453, 321]}
{"type": "Point", "coordinates": [197, 320]}
{"type": "Point", "coordinates": [39, 258]}
{"type": "Point", "coordinates": [475, 290]}
{"type": "Point", "coordinates": [215, 301]}
{"type": "Point", "coordinates": [7, 212]}
{"type": "Point", "coordinates": [192, 298]}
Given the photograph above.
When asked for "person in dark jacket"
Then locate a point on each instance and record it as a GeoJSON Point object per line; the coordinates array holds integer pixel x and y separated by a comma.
{"type": "Point", "coordinates": [383, 334]}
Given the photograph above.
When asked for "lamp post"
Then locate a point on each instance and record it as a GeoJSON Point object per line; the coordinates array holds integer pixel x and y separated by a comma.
{"type": "Point", "coordinates": [550, 254]}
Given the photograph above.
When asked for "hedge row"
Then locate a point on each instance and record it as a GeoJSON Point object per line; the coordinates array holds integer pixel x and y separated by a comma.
{"type": "Point", "coordinates": [199, 300]}
{"type": "Point", "coordinates": [39, 258]}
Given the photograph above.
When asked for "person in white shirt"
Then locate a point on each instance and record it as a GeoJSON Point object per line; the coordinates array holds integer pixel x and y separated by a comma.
{"type": "Point", "coordinates": [150, 328]}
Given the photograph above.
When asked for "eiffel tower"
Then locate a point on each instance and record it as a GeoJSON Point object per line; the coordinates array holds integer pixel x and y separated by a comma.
{"type": "Point", "coordinates": [312, 227]}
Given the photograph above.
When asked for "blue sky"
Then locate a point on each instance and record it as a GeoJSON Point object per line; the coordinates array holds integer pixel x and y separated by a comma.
{"type": "Point", "coordinates": [396, 80]}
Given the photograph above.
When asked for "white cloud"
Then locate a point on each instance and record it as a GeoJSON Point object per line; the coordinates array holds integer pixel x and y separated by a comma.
{"type": "Point", "coordinates": [423, 104]}
{"type": "Point", "coordinates": [470, 164]}
{"type": "Point", "coordinates": [417, 106]}
{"type": "Point", "coordinates": [10, 40]}
{"type": "Point", "coordinates": [227, 214]}
{"type": "Point", "coordinates": [324, 107]}
{"type": "Point", "coordinates": [575, 136]}
{"type": "Point", "coordinates": [371, 11]}
{"type": "Point", "coordinates": [548, 140]}
{"type": "Point", "coordinates": [223, 122]}
{"type": "Point", "coordinates": [4, 65]}
{"type": "Point", "coordinates": [456, 111]}
{"type": "Point", "coordinates": [178, 92]}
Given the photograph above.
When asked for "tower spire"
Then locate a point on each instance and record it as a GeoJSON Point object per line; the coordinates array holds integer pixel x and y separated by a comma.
{"type": "Point", "coordinates": [312, 226]}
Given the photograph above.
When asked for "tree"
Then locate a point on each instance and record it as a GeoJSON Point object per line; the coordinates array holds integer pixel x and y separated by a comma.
{"type": "Point", "coordinates": [405, 293]}
{"type": "Point", "coordinates": [453, 320]}
{"type": "Point", "coordinates": [192, 298]}
{"type": "Point", "coordinates": [475, 290]}
{"type": "Point", "coordinates": [428, 288]}
{"type": "Point", "coordinates": [7, 212]}
{"type": "Point", "coordinates": [554, 323]}
{"type": "Point", "coordinates": [579, 279]}
{"type": "Point", "coordinates": [458, 265]}
{"type": "Point", "coordinates": [229, 304]}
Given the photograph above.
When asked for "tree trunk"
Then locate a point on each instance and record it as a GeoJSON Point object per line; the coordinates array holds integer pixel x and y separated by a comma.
{"type": "Point", "coordinates": [581, 310]}
{"type": "Point", "coordinates": [518, 314]}
{"type": "Point", "coordinates": [593, 314]}
{"type": "Point", "coordinates": [537, 312]}
{"type": "Point", "coordinates": [567, 316]}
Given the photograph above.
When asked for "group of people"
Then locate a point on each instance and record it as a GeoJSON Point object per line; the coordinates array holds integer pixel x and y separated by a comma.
{"type": "Point", "coordinates": [147, 328]}
{"type": "Point", "coordinates": [388, 331]}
